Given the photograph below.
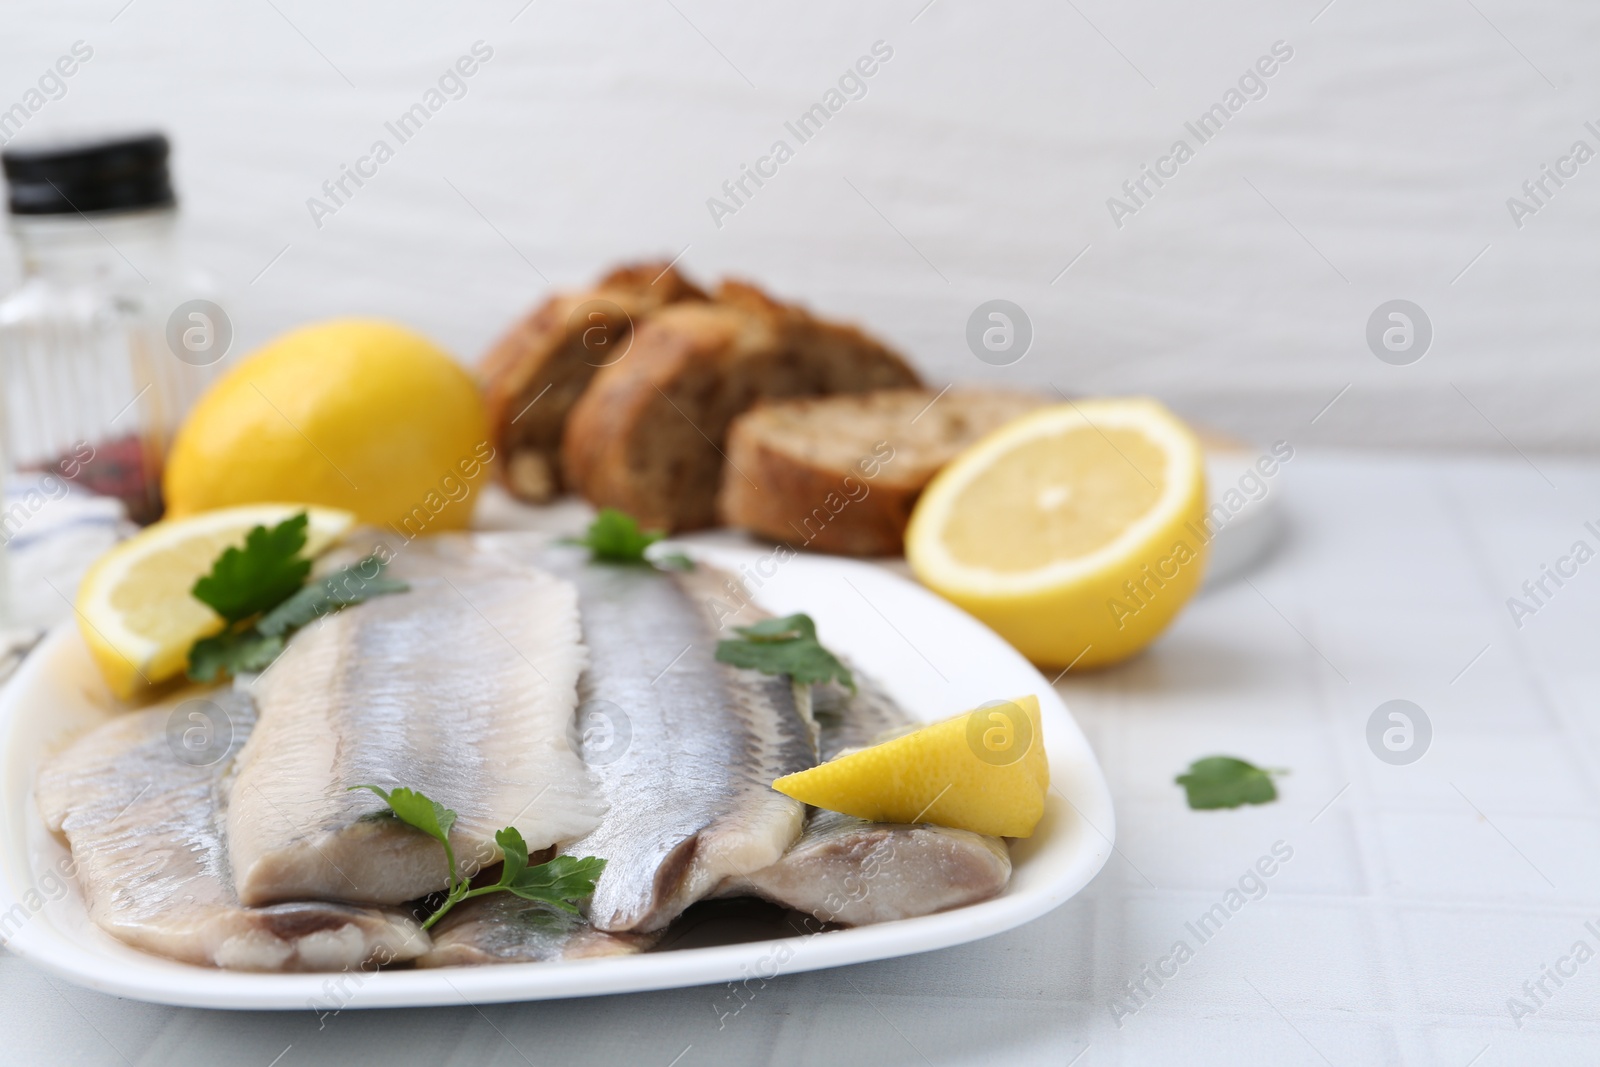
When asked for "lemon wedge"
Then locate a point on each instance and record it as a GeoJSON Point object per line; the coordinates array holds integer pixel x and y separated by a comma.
{"type": "Point", "coordinates": [983, 771]}
{"type": "Point", "coordinates": [1076, 532]}
{"type": "Point", "coordinates": [134, 607]}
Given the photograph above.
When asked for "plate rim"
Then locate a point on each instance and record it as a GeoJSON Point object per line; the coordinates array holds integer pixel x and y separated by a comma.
{"type": "Point", "coordinates": [158, 980]}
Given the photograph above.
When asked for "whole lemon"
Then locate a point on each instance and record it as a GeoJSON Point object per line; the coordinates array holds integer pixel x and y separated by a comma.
{"type": "Point", "coordinates": [356, 414]}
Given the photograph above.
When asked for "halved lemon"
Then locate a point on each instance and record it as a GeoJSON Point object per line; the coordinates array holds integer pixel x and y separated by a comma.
{"type": "Point", "coordinates": [983, 771]}
{"type": "Point", "coordinates": [134, 606]}
{"type": "Point", "coordinates": [1076, 532]}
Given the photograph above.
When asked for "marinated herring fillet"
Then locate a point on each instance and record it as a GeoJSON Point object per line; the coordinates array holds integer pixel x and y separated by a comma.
{"type": "Point", "coordinates": [691, 748]}
{"type": "Point", "coordinates": [507, 929]}
{"type": "Point", "coordinates": [145, 828]}
{"type": "Point", "coordinates": [851, 871]}
{"type": "Point", "coordinates": [462, 688]}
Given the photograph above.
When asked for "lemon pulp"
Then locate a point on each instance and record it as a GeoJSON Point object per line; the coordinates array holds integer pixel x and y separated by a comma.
{"type": "Point", "coordinates": [1076, 532]}
{"type": "Point", "coordinates": [1056, 497]}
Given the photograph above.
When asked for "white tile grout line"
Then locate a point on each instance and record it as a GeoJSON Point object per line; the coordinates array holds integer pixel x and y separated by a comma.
{"type": "Point", "coordinates": [1583, 747]}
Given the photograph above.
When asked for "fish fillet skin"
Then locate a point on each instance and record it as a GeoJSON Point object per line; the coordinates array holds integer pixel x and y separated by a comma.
{"type": "Point", "coordinates": [689, 789]}
{"type": "Point", "coordinates": [462, 688]}
{"type": "Point", "coordinates": [503, 928]}
{"type": "Point", "coordinates": [853, 872]}
{"type": "Point", "coordinates": [848, 721]}
{"type": "Point", "coordinates": [850, 871]}
{"type": "Point", "coordinates": [145, 828]}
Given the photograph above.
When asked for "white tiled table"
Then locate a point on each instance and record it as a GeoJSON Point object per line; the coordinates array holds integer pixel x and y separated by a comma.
{"type": "Point", "coordinates": [1417, 900]}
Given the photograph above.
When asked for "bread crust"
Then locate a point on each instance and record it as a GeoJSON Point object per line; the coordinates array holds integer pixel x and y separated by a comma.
{"type": "Point", "coordinates": [535, 373]}
{"type": "Point", "coordinates": [647, 436]}
{"type": "Point", "coordinates": [859, 504]}
{"type": "Point", "coordinates": [805, 505]}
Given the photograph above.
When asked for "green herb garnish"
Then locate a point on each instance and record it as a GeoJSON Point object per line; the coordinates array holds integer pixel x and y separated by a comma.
{"type": "Point", "coordinates": [261, 575]}
{"type": "Point", "coordinates": [232, 652]}
{"type": "Point", "coordinates": [261, 594]}
{"type": "Point", "coordinates": [785, 646]}
{"type": "Point", "coordinates": [360, 581]}
{"type": "Point", "coordinates": [1225, 782]}
{"type": "Point", "coordinates": [560, 882]}
{"type": "Point", "coordinates": [615, 537]}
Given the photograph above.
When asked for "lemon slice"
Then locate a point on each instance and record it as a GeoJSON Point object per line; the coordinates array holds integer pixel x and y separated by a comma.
{"type": "Point", "coordinates": [983, 771]}
{"type": "Point", "coordinates": [1075, 532]}
{"type": "Point", "coordinates": [134, 607]}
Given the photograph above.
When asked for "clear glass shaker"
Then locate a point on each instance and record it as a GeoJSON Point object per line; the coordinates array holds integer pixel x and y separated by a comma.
{"type": "Point", "coordinates": [109, 339]}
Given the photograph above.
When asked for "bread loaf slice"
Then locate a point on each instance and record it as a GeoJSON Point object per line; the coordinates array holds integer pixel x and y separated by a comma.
{"type": "Point", "coordinates": [647, 436]}
{"type": "Point", "coordinates": [842, 473]}
{"type": "Point", "coordinates": [536, 372]}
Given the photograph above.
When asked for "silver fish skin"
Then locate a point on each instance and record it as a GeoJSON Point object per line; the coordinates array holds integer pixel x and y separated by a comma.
{"type": "Point", "coordinates": [503, 928]}
{"type": "Point", "coordinates": [145, 828]}
{"type": "Point", "coordinates": [853, 872]}
{"type": "Point", "coordinates": [848, 721]}
{"type": "Point", "coordinates": [462, 688]}
{"type": "Point", "coordinates": [691, 746]}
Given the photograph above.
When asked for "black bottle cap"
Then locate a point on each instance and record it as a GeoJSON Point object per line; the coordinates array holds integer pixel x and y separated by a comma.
{"type": "Point", "coordinates": [126, 173]}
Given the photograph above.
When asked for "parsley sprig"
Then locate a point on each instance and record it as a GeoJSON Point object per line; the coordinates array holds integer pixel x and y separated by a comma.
{"type": "Point", "coordinates": [266, 571]}
{"type": "Point", "coordinates": [261, 593]}
{"type": "Point", "coordinates": [785, 646]}
{"type": "Point", "coordinates": [615, 537]}
{"type": "Point", "coordinates": [1226, 782]}
{"type": "Point", "coordinates": [560, 882]}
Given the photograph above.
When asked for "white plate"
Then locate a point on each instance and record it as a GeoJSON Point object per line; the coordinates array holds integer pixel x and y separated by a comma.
{"type": "Point", "coordinates": [933, 657]}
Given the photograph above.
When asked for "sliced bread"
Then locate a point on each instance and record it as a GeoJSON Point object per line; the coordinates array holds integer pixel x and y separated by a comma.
{"type": "Point", "coordinates": [536, 372]}
{"type": "Point", "coordinates": [841, 473]}
{"type": "Point", "coordinates": [647, 436]}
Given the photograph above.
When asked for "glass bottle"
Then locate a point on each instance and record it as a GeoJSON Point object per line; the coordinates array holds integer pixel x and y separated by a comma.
{"type": "Point", "coordinates": [107, 340]}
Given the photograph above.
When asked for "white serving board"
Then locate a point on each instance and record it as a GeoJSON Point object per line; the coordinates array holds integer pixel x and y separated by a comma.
{"type": "Point", "coordinates": [934, 658]}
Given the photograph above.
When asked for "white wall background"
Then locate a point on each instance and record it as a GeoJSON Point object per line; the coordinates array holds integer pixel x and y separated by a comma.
{"type": "Point", "coordinates": [977, 166]}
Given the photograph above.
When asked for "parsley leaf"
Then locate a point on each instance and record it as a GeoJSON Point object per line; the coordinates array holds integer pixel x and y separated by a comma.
{"type": "Point", "coordinates": [558, 883]}
{"type": "Point", "coordinates": [770, 631]}
{"type": "Point", "coordinates": [515, 850]}
{"type": "Point", "coordinates": [416, 809]}
{"type": "Point", "coordinates": [614, 537]}
{"type": "Point", "coordinates": [1225, 782]}
{"type": "Point", "coordinates": [785, 646]}
{"type": "Point", "coordinates": [247, 581]}
{"type": "Point", "coordinates": [232, 652]}
{"type": "Point", "coordinates": [346, 586]}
